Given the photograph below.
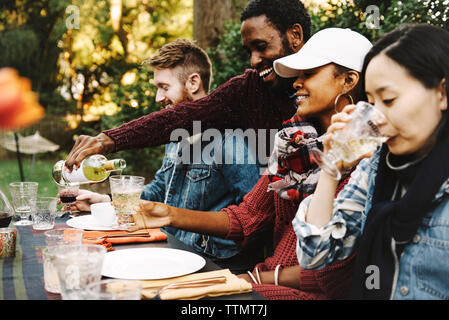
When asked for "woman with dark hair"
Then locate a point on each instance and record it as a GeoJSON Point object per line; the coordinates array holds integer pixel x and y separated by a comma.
{"type": "Point", "coordinates": [394, 211]}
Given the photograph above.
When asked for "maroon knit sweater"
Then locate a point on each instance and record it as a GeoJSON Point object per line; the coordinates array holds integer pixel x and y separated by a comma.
{"type": "Point", "coordinates": [333, 282]}
{"type": "Point", "coordinates": [260, 209]}
{"type": "Point", "coordinates": [242, 102]}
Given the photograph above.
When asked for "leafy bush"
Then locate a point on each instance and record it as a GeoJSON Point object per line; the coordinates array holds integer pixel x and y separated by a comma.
{"type": "Point", "coordinates": [228, 58]}
{"type": "Point", "coordinates": [392, 13]}
{"type": "Point", "coordinates": [135, 100]}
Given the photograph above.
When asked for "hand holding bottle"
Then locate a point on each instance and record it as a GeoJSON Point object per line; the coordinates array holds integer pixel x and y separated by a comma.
{"type": "Point", "coordinates": [94, 168]}
{"type": "Point", "coordinates": [86, 146]}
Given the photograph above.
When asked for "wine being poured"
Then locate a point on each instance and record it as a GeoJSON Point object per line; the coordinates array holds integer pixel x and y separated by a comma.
{"type": "Point", "coordinates": [95, 168]}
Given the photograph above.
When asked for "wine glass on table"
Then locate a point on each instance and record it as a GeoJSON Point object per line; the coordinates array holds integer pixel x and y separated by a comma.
{"type": "Point", "coordinates": [125, 192]}
{"type": "Point", "coordinates": [67, 194]}
{"type": "Point", "coordinates": [24, 195]}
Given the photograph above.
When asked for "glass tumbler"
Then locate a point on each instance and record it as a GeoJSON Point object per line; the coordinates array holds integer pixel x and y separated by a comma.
{"type": "Point", "coordinates": [78, 266]}
{"type": "Point", "coordinates": [53, 239]}
{"type": "Point", "coordinates": [24, 195]}
{"type": "Point", "coordinates": [44, 215]}
{"type": "Point", "coordinates": [360, 136]}
{"type": "Point", "coordinates": [126, 192]}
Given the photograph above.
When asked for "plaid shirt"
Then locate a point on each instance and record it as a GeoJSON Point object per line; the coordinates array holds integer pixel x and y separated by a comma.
{"type": "Point", "coordinates": [320, 247]}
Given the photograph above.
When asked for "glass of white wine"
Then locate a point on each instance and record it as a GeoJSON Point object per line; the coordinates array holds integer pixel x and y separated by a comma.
{"type": "Point", "coordinates": [125, 191]}
{"type": "Point", "coordinates": [360, 136]}
{"type": "Point", "coordinates": [24, 195]}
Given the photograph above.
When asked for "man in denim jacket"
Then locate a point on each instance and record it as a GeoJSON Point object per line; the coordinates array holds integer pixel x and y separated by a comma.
{"type": "Point", "coordinates": [225, 170]}
{"type": "Point", "coordinates": [197, 173]}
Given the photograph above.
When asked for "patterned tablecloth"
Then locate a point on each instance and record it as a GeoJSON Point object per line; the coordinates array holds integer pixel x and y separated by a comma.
{"type": "Point", "coordinates": [22, 276]}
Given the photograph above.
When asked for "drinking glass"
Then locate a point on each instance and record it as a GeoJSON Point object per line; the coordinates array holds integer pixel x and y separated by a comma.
{"type": "Point", "coordinates": [67, 194]}
{"type": "Point", "coordinates": [45, 213]}
{"type": "Point", "coordinates": [6, 210]}
{"type": "Point", "coordinates": [51, 280]}
{"type": "Point", "coordinates": [8, 238]}
{"type": "Point", "coordinates": [113, 289]}
{"type": "Point", "coordinates": [24, 195]}
{"type": "Point", "coordinates": [62, 236]}
{"type": "Point", "coordinates": [77, 266]}
{"type": "Point", "coordinates": [53, 239]}
{"type": "Point", "coordinates": [125, 192]}
{"type": "Point", "coordinates": [360, 136]}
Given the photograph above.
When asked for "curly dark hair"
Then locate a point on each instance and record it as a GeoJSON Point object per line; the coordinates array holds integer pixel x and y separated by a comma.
{"type": "Point", "coordinates": [281, 13]}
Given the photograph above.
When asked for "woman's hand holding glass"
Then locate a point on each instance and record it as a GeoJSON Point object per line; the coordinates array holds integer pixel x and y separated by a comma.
{"type": "Point", "coordinates": [353, 135]}
{"type": "Point", "coordinates": [339, 121]}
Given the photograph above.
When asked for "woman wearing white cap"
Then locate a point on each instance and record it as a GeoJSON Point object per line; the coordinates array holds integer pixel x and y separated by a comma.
{"type": "Point", "coordinates": [326, 81]}
{"type": "Point", "coordinates": [394, 210]}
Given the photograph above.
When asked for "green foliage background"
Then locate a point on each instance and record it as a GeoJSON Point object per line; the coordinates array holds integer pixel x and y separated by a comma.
{"type": "Point", "coordinates": [230, 59]}
{"type": "Point", "coordinates": [79, 72]}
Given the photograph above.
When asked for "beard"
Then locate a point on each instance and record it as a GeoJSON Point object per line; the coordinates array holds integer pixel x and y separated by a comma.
{"type": "Point", "coordinates": [284, 84]}
{"type": "Point", "coordinates": [183, 97]}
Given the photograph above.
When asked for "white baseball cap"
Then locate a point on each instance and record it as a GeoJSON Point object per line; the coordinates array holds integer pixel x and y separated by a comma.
{"type": "Point", "coordinates": [341, 46]}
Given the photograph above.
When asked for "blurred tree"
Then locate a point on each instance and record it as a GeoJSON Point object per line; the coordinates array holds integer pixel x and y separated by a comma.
{"type": "Point", "coordinates": [103, 63]}
{"type": "Point", "coordinates": [29, 33]}
{"type": "Point", "coordinates": [228, 57]}
{"type": "Point", "coordinates": [210, 17]}
{"type": "Point", "coordinates": [84, 57]}
{"type": "Point", "coordinates": [434, 12]}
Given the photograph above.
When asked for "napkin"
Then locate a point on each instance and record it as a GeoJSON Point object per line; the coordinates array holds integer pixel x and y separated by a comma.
{"type": "Point", "coordinates": [233, 285]}
{"type": "Point", "coordinates": [153, 235]}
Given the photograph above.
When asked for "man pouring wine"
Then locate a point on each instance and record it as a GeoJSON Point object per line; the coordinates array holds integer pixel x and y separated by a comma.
{"type": "Point", "coordinates": [182, 72]}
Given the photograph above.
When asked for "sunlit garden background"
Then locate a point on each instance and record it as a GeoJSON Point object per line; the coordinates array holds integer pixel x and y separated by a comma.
{"type": "Point", "coordinates": [84, 57]}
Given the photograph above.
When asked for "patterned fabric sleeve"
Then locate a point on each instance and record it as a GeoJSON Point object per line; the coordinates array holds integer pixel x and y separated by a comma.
{"type": "Point", "coordinates": [317, 248]}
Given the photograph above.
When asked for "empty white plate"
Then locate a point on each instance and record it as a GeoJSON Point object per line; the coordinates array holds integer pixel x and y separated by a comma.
{"type": "Point", "coordinates": [87, 223]}
{"type": "Point", "coordinates": [150, 263]}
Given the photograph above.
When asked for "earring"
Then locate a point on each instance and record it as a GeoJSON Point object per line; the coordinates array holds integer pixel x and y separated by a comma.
{"type": "Point", "coordinates": [348, 96]}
